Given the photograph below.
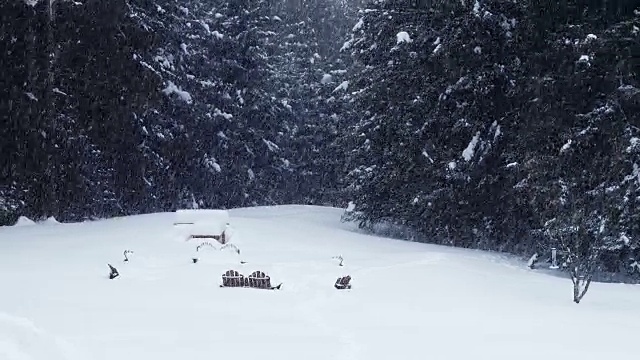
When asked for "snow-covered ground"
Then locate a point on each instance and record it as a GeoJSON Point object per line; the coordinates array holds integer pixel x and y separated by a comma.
{"type": "Point", "coordinates": [409, 300]}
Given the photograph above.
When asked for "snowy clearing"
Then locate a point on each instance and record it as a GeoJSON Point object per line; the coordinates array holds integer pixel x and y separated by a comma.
{"type": "Point", "coordinates": [408, 301]}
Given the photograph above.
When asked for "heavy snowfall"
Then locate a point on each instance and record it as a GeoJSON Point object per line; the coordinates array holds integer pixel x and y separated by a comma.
{"type": "Point", "coordinates": [354, 179]}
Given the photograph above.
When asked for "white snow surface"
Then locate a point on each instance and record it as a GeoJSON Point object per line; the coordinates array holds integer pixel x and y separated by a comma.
{"type": "Point", "coordinates": [409, 300]}
{"type": "Point", "coordinates": [51, 221]}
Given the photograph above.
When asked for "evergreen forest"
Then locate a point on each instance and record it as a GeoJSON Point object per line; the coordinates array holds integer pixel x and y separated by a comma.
{"type": "Point", "coordinates": [504, 125]}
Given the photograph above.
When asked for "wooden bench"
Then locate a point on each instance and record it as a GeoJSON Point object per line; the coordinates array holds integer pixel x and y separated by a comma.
{"type": "Point", "coordinates": [232, 278]}
{"type": "Point", "coordinates": [257, 280]}
{"type": "Point", "coordinates": [222, 238]}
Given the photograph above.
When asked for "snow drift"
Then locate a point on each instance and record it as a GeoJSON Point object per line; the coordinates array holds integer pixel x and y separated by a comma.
{"type": "Point", "coordinates": [407, 301]}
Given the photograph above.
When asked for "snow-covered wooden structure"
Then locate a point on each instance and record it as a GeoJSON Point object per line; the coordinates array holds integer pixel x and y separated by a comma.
{"type": "Point", "coordinates": [203, 224]}
{"type": "Point", "coordinates": [257, 280]}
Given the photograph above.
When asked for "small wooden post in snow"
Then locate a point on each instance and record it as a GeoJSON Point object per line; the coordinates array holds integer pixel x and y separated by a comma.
{"type": "Point", "coordinates": [554, 259]}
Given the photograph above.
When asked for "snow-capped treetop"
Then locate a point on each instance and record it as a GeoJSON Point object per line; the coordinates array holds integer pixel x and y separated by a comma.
{"type": "Point", "coordinates": [468, 152]}
{"type": "Point", "coordinates": [634, 145]}
{"type": "Point", "coordinates": [476, 8]}
{"type": "Point", "coordinates": [343, 86]}
{"type": "Point", "coordinates": [566, 146]}
{"type": "Point", "coordinates": [403, 37]}
{"type": "Point", "coordinates": [584, 59]}
{"type": "Point", "coordinates": [174, 89]}
{"type": "Point", "coordinates": [326, 78]}
{"type": "Point", "coordinates": [358, 25]}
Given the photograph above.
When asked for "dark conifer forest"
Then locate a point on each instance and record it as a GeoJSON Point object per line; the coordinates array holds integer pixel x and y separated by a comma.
{"type": "Point", "coordinates": [506, 125]}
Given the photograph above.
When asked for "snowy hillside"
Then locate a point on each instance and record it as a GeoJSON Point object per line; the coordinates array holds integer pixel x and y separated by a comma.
{"type": "Point", "coordinates": [408, 301]}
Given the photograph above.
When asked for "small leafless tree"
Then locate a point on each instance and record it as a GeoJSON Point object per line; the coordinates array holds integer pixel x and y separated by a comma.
{"type": "Point", "coordinates": [581, 275]}
{"type": "Point", "coordinates": [532, 261]}
{"type": "Point", "coordinates": [580, 237]}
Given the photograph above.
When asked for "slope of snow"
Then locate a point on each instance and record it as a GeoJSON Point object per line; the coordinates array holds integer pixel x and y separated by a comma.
{"type": "Point", "coordinates": [24, 221]}
{"type": "Point", "coordinates": [409, 300]}
{"type": "Point", "coordinates": [50, 221]}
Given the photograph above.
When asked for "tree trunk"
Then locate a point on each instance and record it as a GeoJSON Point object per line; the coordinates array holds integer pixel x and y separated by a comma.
{"type": "Point", "coordinates": [580, 286]}
{"type": "Point", "coordinates": [48, 115]}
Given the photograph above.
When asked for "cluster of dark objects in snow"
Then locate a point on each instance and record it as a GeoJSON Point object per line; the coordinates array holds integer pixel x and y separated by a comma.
{"type": "Point", "coordinates": [232, 278]}
{"type": "Point", "coordinates": [493, 124]}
